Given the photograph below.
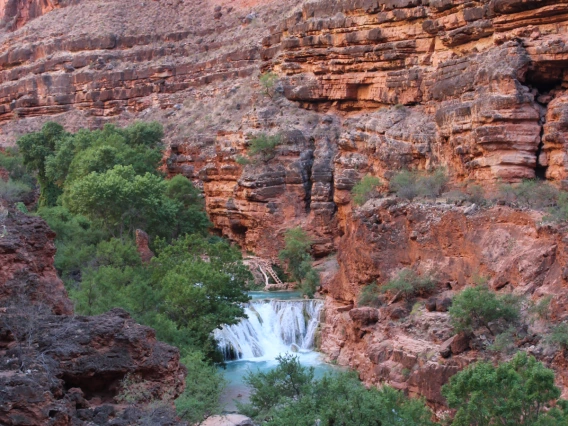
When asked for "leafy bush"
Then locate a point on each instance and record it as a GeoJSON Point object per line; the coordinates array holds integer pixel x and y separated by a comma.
{"type": "Point", "coordinates": [363, 190]}
{"type": "Point", "coordinates": [472, 193]}
{"type": "Point", "coordinates": [560, 211]}
{"type": "Point", "coordinates": [370, 296]}
{"type": "Point", "coordinates": [530, 193]}
{"type": "Point", "coordinates": [518, 392]}
{"type": "Point", "coordinates": [203, 387]}
{"type": "Point", "coordinates": [504, 342]}
{"type": "Point", "coordinates": [243, 161]}
{"type": "Point", "coordinates": [264, 146]}
{"type": "Point", "coordinates": [559, 336]}
{"type": "Point", "coordinates": [13, 190]}
{"type": "Point", "coordinates": [405, 184]}
{"type": "Point", "coordinates": [408, 284]}
{"type": "Point", "coordinates": [478, 307]}
{"type": "Point", "coordinates": [268, 82]}
{"type": "Point", "coordinates": [411, 184]}
{"type": "Point", "coordinates": [290, 395]}
{"type": "Point", "coordinates": [296, 255]}
{"type": "Point", "coordinates": [12, 161]}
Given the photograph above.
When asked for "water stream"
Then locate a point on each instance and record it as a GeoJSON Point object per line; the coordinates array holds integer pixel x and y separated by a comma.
{"type": "Point", "coordinates": [277, 323]}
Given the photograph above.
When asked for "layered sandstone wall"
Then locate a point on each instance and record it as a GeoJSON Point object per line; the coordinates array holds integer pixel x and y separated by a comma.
{"type": "Point", "coordinates": [411, 345]}
{"type": "Point", "coordinates": [365, 87]}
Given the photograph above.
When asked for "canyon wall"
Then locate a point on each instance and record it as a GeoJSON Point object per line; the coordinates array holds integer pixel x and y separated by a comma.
{"type": "Point", "coordinates": [364, 87]}
{"type": "Point", "coordinates": [411, 345]}
{"type": "Point", "coordinates": [62, 369]}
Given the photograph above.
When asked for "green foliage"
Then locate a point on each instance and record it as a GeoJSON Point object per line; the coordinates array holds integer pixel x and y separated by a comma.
{"type": "Point", "coordinates": [311, 279]}
{"type": "Point", "coordinates": [12, 161]}
{"type": "Point", "coordinates": [517, 392]}
{"type": "Point", "coordinates": [60, 158]}
{"type": "Point", "coordinates": [296, 255]}
{"type": "Point", "coordinates": [297, 244]}
{"type": "Point", "coordinates": [121, 200]}
{"type": "Point", "coordinates": [370, 296]}
{"type": "Point", "coordinates": [243, 161]}
{"type": "Point", "coordinates": [530, 193]}
{"type": "Point", "coordinates": [190, 288]}
{"type": "Point", "coordinates": [190, 217]}
{"type": "Point", "coordinates": [264, 146]}
{"type": "Point", "coordinates": [542, 307]}
{"type": "Point", "coordinates": [364, 189]}
{"type": "Point", "coordinates": [411, 184]}
{"type": "Point", "coordinates": [203, 387]}
{"type": "Point", "coordinates": [504, 342]}
{"type": "Point", "coordinates": [21, 207]}
{"type": "Point", "coordinates": [409, 285]}
{"type": "Point", "coordinates": [478, 307]}
{"type": "Point", "coordinates": [36, 148]}
{"type": "Point", "coordinates": [13, 190]}
{"type": "Point", "coordinates": [560, 211]}
{"type": "Point", "coordinates": [268, 82]}
{"type": "Point", "coordinates": [76, 240]}
{"type": "Point", "coordinates": [290, 395]}
{"type": "Point", "coordinates": [471, 192]}
{"type": "Point", "coordinates": [559, 336]}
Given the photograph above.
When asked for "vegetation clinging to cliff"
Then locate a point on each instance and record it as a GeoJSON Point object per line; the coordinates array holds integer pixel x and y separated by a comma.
{"type": "Point", "coordinates": [411, 184]}
{"type": "Point", "coordinates": [518, 392]}
{"type": "Point", "coordinates": [296, 255]}
{"type": "Point", "coordinates": [364, 189]}
{"type": "Point", "coordinates": [478, 307]}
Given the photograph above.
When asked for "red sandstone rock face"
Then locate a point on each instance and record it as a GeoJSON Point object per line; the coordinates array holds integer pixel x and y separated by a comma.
{"type": "Point", "coordinates": [60, 369]}
{"type": "Point", "coordinates": [482, 75]}
{"type": "Point", "coordinates": [75, 369]}
{"type": "Point", "coordinates": [411, 347]}
{"type": "Point", "coordinates": [26, 259]}
{"type": "Point", "coordinates": [16, 13]}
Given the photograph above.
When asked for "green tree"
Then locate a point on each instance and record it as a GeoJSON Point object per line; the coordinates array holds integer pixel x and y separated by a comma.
{"type": "Point", "coordinates": [203, 387]}
{"type": "Point", "coordinates": [121, 200]}
{"type": "Point", "coordinates": [411, 184]}
{"type": "Point", "coordinates": [36, 148]}
{"type": "Point", "coordinates": [408, 284]}
{"type": "Point", "coordinates": [518, 392]}
{"type": "Point", "coordinates": [264, 146]}
{"type": "Point", "coordinates": [297, 244]}
{"type": "Point", "coordinates": [363, 190]}
{"type": "Point", "coordinates": [190, 217]}
{"type": "Point", "coordinates": [59, 157]}
{"type": "Point", "coordinates": [369, 296]}
{"type": "Point", "coordinates": [202, 285]}
{"type": "Point", "coordinates": [296, 255]}
{"type": "Point", "coordinates": [268, 82]}
{"type": "Point", "coordinates": [478, 306]}
{"type": "Point", "coordinates": [290, 395]}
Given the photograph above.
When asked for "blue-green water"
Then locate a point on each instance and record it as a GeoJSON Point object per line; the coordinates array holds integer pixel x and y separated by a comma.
{"type": "Point", "coordinates": [235, 372]}
{"type": "Point", "coordinates": [277, 295]}
{"type": "Point", "coordinates": [278, 323]}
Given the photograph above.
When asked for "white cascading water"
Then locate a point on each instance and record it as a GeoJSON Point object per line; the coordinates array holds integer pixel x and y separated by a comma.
{"type": "Point", "coordinates": [273, 327]}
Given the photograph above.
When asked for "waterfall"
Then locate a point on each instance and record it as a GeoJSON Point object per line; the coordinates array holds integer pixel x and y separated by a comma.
{"type": "Point", "coordinates": [273, 327]}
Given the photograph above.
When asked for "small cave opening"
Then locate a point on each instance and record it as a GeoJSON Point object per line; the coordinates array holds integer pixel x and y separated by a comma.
{"type": "Point", "coordinates": [103, 386]}
{"type": "Point", "coordinates": [238, 228]}
{"type": "Point", "coordinates": [544, 79]}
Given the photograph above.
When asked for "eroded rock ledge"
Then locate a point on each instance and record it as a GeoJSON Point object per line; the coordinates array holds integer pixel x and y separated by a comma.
{"type": "Point", "coordinates": [61, 369]}
{"type": "Point", "coordinates": [413, 347]}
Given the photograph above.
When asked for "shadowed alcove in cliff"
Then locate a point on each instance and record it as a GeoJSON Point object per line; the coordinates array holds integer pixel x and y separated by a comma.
{"type": "Point", "coordinates": [545, 80]}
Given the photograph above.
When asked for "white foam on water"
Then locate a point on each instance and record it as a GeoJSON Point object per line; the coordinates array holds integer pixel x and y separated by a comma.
{"type": "Point", "coordinates": [273, 327]}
